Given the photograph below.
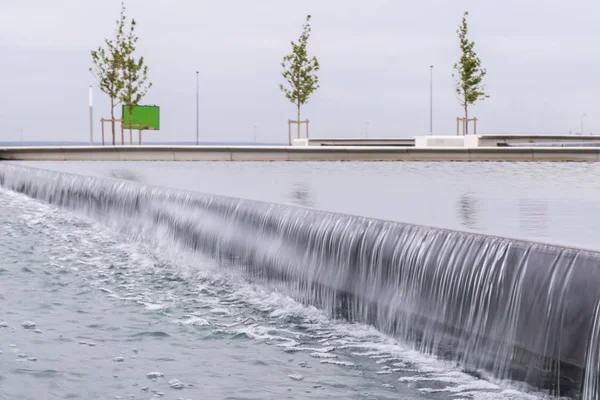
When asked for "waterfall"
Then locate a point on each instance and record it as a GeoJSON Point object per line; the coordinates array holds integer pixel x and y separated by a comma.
{"type": "Point", "coordinates": [592, 365]}
{"type": "Point", "coordinates": [520, 310]}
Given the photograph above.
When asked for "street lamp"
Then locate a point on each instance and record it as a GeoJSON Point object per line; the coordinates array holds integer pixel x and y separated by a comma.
{"type": "Point", "coordinates": [584, 114]}
{"type": "Point", "coordinates": [91, 103]}
{"type": "Point", "coordinates": [431, 99]}
{"type": "Point", "coordinates": [197, 111]}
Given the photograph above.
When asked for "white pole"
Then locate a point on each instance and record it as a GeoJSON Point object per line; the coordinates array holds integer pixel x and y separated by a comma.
{"type": "Point", "coordinates": [197, 111]}
{"type": "Point", "coordinates": [431, 100]}
{"type": "Point", "coordinates": [91, 102]}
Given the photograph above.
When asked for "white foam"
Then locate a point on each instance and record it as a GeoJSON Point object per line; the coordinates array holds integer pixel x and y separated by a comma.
{"type": "Point", "coordinates": [28, 324]}
{"type": "Point", "coordinates": [154, 306]}
{"type": "Point", "coordinates": [195, 321]}
{"type": "Point", "coordinates": [337, 362]}
{"type": "Point", "coordinates": [176, 384]}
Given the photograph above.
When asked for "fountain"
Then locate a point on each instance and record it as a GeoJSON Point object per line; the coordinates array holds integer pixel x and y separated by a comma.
{"type": "Point", "coordinates": [520, 310]}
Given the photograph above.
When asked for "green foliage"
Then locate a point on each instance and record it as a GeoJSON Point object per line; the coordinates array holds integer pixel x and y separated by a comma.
{"type": "Point", "coordinates": [469, 74]}
{"type": "Point", "coordinates": [119, 74]}
{"type": "Point", "coordinates": [107, 62]}
{"type": "Point", "coordinates": [134, 72]}
{"type": "Point", "coordinates": [299, 70]}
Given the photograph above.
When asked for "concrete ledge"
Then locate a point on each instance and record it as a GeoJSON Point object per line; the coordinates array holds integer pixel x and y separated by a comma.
{"type": "Point", "coordinates": [439, 154]}
{"type": "Point", "coordinates": [568, 154]}
{"type": "Point", "coordinates": [502, 140]}
{"type": "Point", "coordinates": [370, 142]}
{"type": "Point", "coordinates": [500, 154]}
{"type": "Point", "coordinates": [299, 153]}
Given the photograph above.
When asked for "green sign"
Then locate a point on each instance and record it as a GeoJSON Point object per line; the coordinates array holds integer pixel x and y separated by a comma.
{"type": "Point", "coordinates": [145, 117]}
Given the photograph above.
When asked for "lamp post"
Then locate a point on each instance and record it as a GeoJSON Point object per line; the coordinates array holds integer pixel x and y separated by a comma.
{"type": "Point", "coordinates": [91, 101]}
{"type": "Point", "coordinates": [431, 99]}
{"type": "Point", "coordinates": [197, 111]}
{"type": "Point", "coordinates": [582, 117]}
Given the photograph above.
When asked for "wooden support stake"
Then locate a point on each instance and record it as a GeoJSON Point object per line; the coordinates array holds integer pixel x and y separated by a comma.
{"type": "Point", "coordinates": [465, 125]}
{"type": "Point", "coordinates": [307, 129]}
{"type": "Point", "coordinates": [290, 122]}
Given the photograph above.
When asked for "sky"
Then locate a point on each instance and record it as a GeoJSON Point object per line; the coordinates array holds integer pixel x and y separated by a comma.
{"type": "Point", "coordinates": [542, 60]}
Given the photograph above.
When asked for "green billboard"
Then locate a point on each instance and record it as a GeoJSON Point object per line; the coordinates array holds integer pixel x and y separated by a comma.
{"type": "Point", "coordinates": [144, 117]}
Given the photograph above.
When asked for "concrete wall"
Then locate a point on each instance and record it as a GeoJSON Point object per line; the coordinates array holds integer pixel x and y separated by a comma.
{"type": "Point", "coordinates": [304, 153]}
{"type": "Point", "coordinates": [495, 140]}
{"type": "Point", "coordinates": [402, 142]}
{"type": "Point", "coordinates": [445, 140]}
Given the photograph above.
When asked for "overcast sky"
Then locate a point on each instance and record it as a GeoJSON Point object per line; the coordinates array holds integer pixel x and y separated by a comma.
{"type": "Point", "coordinates": [542, 58]}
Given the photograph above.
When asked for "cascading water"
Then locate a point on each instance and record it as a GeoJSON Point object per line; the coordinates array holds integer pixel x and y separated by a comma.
{"type": "Point", "coordinates": [523, 311]}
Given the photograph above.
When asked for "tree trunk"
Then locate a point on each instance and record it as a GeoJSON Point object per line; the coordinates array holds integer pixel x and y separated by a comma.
{"type": "Point", "coordinates": [112, 118]}
{"type": "Point", "coordinates": [130, 123]}
{"type": "Point", "coordinates": [123, 130]}
{"type": "Point", "coordinates": [466, 130]}
{"type": "Point", "coordinates": [298, 119]}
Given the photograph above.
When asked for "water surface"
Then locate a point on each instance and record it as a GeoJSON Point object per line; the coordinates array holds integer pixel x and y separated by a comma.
{"type": "Point", "coordinates": [548, 202]}
{"type": "Point", "coordinates": [87, 313]}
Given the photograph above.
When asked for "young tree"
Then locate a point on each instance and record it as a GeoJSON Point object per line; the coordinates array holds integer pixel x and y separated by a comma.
{"type": "Point", "coordinates": [135, 74]}
{"type": "Point", "coordinates": [107, 67]}
{"type": "Point", "coordinates": [469, 74]}
{"type": "Point", "coordinates": [300, 71]}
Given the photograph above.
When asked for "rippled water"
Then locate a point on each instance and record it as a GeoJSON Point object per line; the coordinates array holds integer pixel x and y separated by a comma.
{"type": "Point", "coordinates": [548, 202]}
{"type": "Point", "coordinates": [90, 314]}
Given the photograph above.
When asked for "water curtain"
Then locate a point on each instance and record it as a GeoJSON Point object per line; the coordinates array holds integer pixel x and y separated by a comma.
{"type": "Point", "coordinates": [520, 310]}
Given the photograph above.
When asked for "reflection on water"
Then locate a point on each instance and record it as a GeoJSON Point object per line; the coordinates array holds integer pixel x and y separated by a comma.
{"type": "Point", "coordinates": [469, 211]}
{"type": "Point", "coordinates": [484, 197]}
{"type": "Point", "coordinates": [126, 174]}
{"type": "Point", "coordinates": [533, 217]}
{"type": "Point", "coordinates": [302, 195]}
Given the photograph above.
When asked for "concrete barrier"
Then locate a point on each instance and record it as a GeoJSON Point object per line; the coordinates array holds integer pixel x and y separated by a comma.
{"type": "Point", "coordinates": [398, 142]}
{"type": "Point", "coordinates": [299, 153]}
{"type": "Point", "coordinates": [502, 140]}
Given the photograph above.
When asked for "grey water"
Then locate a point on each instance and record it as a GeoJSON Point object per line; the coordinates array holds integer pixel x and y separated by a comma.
{"type": "Point", "coordinates": [90, 314]}
{"type": "Point", "coordinates": [546, 202]}
{"type": "Point", "coordinates": [179, 291]}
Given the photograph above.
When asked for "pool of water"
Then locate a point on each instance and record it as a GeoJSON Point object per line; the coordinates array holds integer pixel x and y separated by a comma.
{"type": "Point", "coordinates": [547, 202]}
{"type": "Point", "coordinates": [88, 313]}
